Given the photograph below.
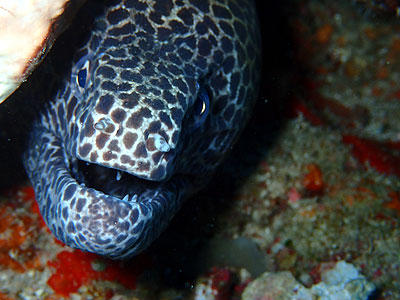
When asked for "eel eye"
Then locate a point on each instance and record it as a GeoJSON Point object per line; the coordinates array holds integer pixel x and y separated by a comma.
{"type": "Point", "coordinates": [80, 77]}
{"type": "Point", "coordinates": [201, 104]}
{"type": "Point", "coordinates": [201, 107]}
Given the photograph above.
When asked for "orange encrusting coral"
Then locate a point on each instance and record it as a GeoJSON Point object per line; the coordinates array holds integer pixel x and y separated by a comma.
{"type": "Point", "coordinates": [312, 180]}
{"type": "Point", "coordinates": [76, 268]}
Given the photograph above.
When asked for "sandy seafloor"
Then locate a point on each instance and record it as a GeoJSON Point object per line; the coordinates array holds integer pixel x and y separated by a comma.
{"type": "Point", "coordinates": [315, 179]}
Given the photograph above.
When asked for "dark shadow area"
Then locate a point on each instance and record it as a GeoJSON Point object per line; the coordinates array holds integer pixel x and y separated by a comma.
{"type": "Point", "coordinates": [376, 295]}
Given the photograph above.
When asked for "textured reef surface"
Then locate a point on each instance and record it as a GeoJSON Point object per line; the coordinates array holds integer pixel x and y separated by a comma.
{"type": "Point", "coordinates": [312, 188]}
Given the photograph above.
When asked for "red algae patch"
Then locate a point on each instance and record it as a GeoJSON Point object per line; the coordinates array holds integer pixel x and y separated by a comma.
{"type": "Point", "coordinates": [380, 156]}
{"type": "Point", "coordinates": [77, 268]}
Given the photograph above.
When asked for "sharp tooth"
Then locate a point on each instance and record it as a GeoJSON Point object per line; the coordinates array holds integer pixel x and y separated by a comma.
{"type": "Point", "coordinates": [126, 198]}
{"type": "Point", "coordinates": [118, 177]}
{"type": "Point", "coordinates": [134, 198]}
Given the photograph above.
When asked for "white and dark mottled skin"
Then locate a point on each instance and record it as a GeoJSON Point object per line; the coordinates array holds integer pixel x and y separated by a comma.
{"type": "Point", "coordinates": [154, 101]}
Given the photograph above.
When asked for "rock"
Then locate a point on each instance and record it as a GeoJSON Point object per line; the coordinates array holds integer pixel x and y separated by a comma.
{"type": "Point", "coordinates": [342, 282]}
{"type": "Point", "coordinates": [276, 286]}
{"type": "Point", "coordinates": [28, 29]}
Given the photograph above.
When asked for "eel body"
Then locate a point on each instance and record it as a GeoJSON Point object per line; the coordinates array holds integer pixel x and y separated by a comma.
{"type": "Point", "coordinates": [154, 99]}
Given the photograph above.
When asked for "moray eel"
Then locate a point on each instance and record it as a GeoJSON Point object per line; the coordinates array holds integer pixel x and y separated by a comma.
{"type": "Point", "coordinates": [154, 101]}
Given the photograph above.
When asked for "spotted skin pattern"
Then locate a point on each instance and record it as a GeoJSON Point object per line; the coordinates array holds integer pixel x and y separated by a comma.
{"type": "Point", "coordinates": [154, 101]}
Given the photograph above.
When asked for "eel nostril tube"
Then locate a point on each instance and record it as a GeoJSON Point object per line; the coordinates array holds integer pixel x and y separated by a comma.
{"type": "Point", "coordinates": [160, 143]}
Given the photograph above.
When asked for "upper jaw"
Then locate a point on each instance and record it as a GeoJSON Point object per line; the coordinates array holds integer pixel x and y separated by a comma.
{"type": "Point", "coordinates": [139, 143]}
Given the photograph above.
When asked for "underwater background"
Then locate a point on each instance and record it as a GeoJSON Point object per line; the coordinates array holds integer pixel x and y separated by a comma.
{"type": "Point", "coordinates": [307, 205]}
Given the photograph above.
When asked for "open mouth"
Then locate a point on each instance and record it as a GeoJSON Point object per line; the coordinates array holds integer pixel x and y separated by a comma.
{"type": "Point", "coordinates": [112, 182]}
{"type": "Point", "coordinates": [100, 209]}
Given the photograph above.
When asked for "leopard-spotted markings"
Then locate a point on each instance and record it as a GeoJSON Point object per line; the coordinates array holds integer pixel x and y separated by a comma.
{"type": "Point", "coordinates": [154, 101]}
